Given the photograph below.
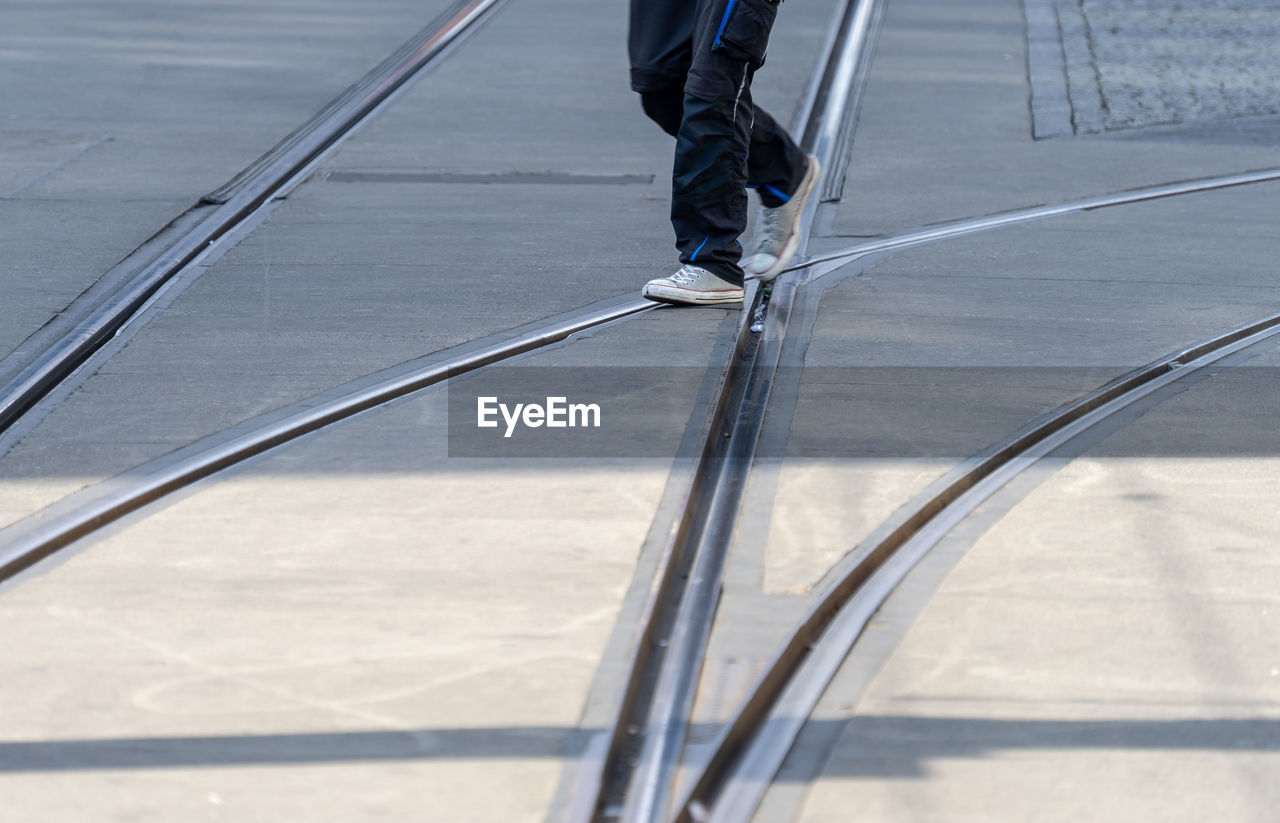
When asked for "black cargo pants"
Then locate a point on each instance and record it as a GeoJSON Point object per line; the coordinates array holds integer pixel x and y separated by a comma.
{"type": "Point", "coordinates": [692, 62]}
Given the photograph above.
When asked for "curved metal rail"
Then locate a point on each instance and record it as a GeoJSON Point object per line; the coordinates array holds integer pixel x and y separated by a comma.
{"type": "Point", "coordinates": [755, 741]}
{"type": "Point", "coordinates": [959, 228]}
{"type": "Point", "coordinates": [29, 541]}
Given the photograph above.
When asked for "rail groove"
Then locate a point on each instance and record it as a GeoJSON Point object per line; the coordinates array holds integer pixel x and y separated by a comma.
{"type": "Point", "coordinates": [654, 707]}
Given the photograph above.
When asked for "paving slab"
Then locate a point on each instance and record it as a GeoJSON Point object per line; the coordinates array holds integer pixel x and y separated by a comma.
{"type": "Point", "coordinates": [118, 118]}
{"type": "Point", "coordinates": [43, 269]}
{"type": "Point", "coordinates": [1134, 64]}
{"type": "Point", "coordinates": [945, 130]}
{"type": "Point", "coordinates": [1105, 646]}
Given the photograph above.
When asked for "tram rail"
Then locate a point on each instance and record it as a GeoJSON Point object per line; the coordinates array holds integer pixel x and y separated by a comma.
{"type": "Point", "coordinates": [755, 740]}
{"type": "Point", "coordinates": [653, 711]}
{"type": "Point", "coordinates": [240, 202]}
{"type": "Point", "coordinates": [662, 684]}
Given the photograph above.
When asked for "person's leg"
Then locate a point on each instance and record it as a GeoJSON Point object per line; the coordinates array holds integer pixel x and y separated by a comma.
{"type": "Point", "coordinates": [664, 107]}
{"type": "Point", "coordinates": [786, 179]}
{"type": "Point", "coordinates": [709, 200]}
{"type": "Point", "coordinates": [776, 168]}
{"type": "Point", "coordinates": [775, 164]}
{"type": "Point", "coordinates": [719, 143]}
{"type": "Point", "coordinates": [660, 48]}
{"type": "Point", "coordinates": [709, 196]}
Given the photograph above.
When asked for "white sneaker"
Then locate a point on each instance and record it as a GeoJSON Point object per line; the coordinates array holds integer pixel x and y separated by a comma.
{"type": "Point", "coordinates": [780, 230]}
{"type": "Point", "coordinates": [694, 285]}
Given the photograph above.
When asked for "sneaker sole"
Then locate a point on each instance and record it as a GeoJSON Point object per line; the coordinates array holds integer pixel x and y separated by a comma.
{"type": "Point", "coordinates": [807, 187]}
{"type": "Point", "coordinates": [688, 297]}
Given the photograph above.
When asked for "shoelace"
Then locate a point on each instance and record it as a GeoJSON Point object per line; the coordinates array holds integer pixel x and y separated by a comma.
{"type": "Point", "coordinates": [686, 276]}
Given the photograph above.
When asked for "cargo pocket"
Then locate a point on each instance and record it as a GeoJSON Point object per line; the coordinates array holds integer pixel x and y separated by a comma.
{"type": "Point", "coordinates": [744, 30]}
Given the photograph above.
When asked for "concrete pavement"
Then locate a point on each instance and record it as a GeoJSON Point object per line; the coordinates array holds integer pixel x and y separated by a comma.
{"type": "Point", "coordinates": [118, 118]}
{"type": "Point", "coordinates": [364, 626]}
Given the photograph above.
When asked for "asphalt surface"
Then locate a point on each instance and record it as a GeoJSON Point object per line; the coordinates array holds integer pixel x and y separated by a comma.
{"type": "Point", "coordinates": [117, 119]}
{"type": "Point", "coordinates": [396, 619]}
